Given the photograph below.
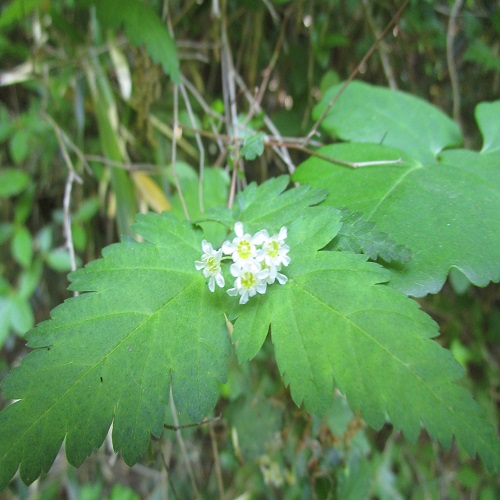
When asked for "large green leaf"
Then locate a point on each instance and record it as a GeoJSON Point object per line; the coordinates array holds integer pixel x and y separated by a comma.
{"type": "Point", "coordinates": [334, 321]}
{"type": "Point", "coordinates": [365, 113]}
{"type": "Point", "coordinates": [445, 210]}
{"type": "Point", "coordinates": [146, 319]}
{"type": "Point", "coordinates": [110, 355]}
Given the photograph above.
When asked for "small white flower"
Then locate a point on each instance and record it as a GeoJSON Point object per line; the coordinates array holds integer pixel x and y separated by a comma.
{"type": "Point", "coordinates": [243, 247]}
{"type": "Point", "coordinates": [274, 274]}
{"type": "Point", "coordinates": [250, 279]}
{"type": "Point", "coordinates": [274, 251]}
{"type": "Point", "coordinates": [210, 263]}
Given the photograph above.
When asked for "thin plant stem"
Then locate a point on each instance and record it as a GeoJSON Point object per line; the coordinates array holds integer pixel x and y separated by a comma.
{"type": "Point", "coordinates": [132, 167]}
{"type": "Point", "coordinates": [182, 445]}
{"type": "Point", "coordinates": [72, 177]}
{"type": "Point", "coordinates": [211, 114]}
{"type": "Point", "coordinates": [256, 102]}
{"type": "Point", "coordinates": [218, 470]}
{"type": "Point", "coordinates": [367, 56]}
{"type": "Point", "coordinates": [169, 478]}
{"type": "Point", "coordinates": [281, 152]}
{"type": "Point", "coordinates": [229, 94]}
{"type": "Point", "coordinates": [174, 151]}
{"type": "Point", "coordinates": [452, 68]}
{"type": "Point", "coordinates": [382, 48]}
{"type": "Point", "coordinates": [201, 149]}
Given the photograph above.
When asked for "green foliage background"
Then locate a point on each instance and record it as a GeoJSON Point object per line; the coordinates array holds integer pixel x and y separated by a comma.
{"type": "Point", "coordinates": [95, 83]}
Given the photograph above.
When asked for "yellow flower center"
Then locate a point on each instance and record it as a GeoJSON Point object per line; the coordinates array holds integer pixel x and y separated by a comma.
{"type": "Point", "coordinates": [247, 280]}
{"type": "Point", "coordinates": [212, 264]}
{"type": "Point", "coordinates": [244, 249]}
{"type": "Point", "coordinates": [273, 249]}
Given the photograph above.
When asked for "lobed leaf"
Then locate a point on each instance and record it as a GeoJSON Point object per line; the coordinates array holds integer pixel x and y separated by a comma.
{"type": "Point", "coordinates": [270, 206]}
{"type": "Point", "coordinates": [359, 236]}
{"type": "Point", "coordinates": [446, 213]}
{"type": "Point", "coordinates": [111, 354]}
{"type": "Point", "coordinates": [335, 321]}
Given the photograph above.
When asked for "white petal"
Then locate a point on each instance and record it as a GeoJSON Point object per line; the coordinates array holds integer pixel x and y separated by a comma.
{"type": "Point", "coordinates": [233, 292]}
{"type": "Point", "coordinates": [283, 233]}
{"type": "Point", "coordinates": [228, 248]}
{"type": "Point", "coordinates": [211, 284]}
{"type": "Point", "coordinates": [235, 270]}
{"type": "Point", "coordinates": [285, 260]}
{"type": "Point", "coordinates": [261, 237]}
{"type": "Point", "coordinates": [262, 275]}
{"type": "Point", "coordinates": [282, 279]}
{"type": "Point", "coordinates": [206, 247]}
{"type": "Point", "coordinates": [199, 264]}
{"type": "Point", "coordinates": [238, 229]}
{"type": "Point", "coordinates": [220, 280]}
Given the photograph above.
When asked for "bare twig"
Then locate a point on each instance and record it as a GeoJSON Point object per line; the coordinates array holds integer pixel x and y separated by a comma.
{"type": "Point", "coordinates": [393, 21]}
{"type": "Point", "coordinates": [218, 470]}
{"type": "Point", "coordinates": [211, 114]}
{"type": "Point", "coordinates": [344, 163]}
{"type": "Point", "coordinates": [169, 478]}
{"type": "Point", "coordinates": [452, 68]}
{"type": "Point", "coordinates": [281, 151]}
{"type": "Point", "coordinates": [200, 147]}
{"type": "Point", "coordinates": [229, 94]}
{"type": "Point", "coordinates": [256, 102]}
{"type": "Point", "coordinates": [271, 10]}
{"type": "Point", "coordinates": [181, 443]}
{"type": "Point", "coordinates": [69, 143]}
{"type": "Point", "coordinates": [188, 426]}
{"type": "Point", "coordinates": [72, 177]}
{"type": "Point", "coordinates": [132, 167]}
{"type": "Point", "coordinates": [174, 151]}
{"type": "Point", "coordinates": [382, 48]}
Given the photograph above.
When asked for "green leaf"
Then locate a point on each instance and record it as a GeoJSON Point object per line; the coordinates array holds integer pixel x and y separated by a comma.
{"type": "Point", "coordinates": [253, 146]}
{"type": "Point", "coordinates": [112, 144]}
{"type": "Point", "coordinates": [480, 53]}
{"type": "Point", "coordinates": [16, 10]}
{"type": "Point", "coordinates": [29, 280]}
{"type": "Point", "coordinates": [334, 321]}
{"type": "Point", "coordinates": [214, 194]}
{"type": "Point", "coordinates": [12, 182]}
{"type": "Point", "coordinates": [359, 236]}
{"type": "Point", "coordinates": [365, 113]}
{"type": "Point", "coordinates": [146, 320]}
{"type": "Point", "coordinates": [21, 315]}
{"type": "Point", "coordinates": [143, 28]}
{"type": "Point", "coordinates": [59, 260]}
{"type": "Point", "coordinates": [270, 206]}
{"type": "Point", "coordinates": [88, 208]}
{"type": "Point", "coordinates": [6, 231]}
{"type": "Point", "coordinates": [110, 354]}
{"type": "Point", "coordinates": [5, 312]}
{"type": "Point", "coordinates": [256, 420]}
{"type": "Point", "coordinates": [18, 146]}
{"type": "Point", "coordinates": [487, 114]}
{"type": "Point", "coordinates": [22, 246]}
{"type": "Point", "coordinates": [446, 214]}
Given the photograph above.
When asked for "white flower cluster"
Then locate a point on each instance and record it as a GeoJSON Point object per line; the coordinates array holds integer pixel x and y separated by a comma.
{"type": "Point", "coordinates": [257, 262]}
